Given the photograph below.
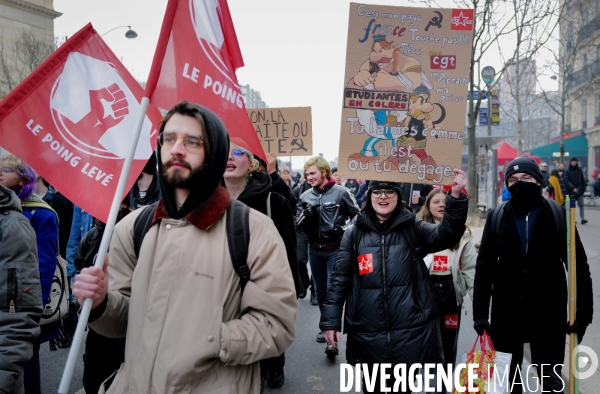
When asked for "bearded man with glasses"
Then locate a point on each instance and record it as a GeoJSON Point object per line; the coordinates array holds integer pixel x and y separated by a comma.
{"type": "Point", "coordinates": [190, 325]}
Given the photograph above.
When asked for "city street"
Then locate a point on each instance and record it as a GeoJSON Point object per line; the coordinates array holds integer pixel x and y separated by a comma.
{"type": "Point", "coordinates": [309, 370]}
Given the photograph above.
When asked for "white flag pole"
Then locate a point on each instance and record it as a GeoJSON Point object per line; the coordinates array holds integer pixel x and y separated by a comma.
{"type": "Point", "coordinates": [110, 224]}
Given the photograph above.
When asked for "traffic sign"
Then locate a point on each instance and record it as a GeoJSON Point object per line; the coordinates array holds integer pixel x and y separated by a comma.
{"type": "Point", "coordinates": [487, 74]}
{"type": "Point", "coordinates": [476, 95]}
{"type": "Point", "coordinates": [482, 116]}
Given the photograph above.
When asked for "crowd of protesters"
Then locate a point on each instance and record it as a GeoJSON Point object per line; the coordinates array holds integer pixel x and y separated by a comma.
{"type": "Point", "coordinates": [210, 224]}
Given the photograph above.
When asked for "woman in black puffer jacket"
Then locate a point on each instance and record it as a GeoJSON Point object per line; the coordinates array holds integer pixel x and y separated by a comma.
{"type": "Point", "coordinates": [391, 309]}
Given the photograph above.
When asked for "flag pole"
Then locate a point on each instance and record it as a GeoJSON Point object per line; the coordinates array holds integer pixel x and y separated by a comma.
{"type": "Point", "coordinates": [110, 224]}
{"type": "Point", "coordinates": [573, 383]}
{"type": "Point", "coordinates": [116, 203]}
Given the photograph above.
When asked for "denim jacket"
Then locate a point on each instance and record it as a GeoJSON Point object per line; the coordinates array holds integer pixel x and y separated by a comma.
{"type": "Point", "coordinates": [82, 223]}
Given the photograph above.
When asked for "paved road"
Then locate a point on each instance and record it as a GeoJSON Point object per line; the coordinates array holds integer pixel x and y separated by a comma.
{"type": "Point", "coordinates": [308, 370]}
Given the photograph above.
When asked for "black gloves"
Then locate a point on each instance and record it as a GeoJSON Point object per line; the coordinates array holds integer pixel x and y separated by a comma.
{"type": "Point", "coordinates": [578, 328]}
{"type": "Point", "coordinates": [311, 211]}
{"type": "Point", "coordinates": [482, 325]}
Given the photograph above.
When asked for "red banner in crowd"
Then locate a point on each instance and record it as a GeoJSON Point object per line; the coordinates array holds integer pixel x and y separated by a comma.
{"type": "Point", "coordinates": [72, 119]}
{"type": "Point", "coordinates": [195, 60]}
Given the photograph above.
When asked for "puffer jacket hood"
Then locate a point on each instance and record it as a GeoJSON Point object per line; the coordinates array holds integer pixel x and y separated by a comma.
{"type": "Point", "coordinates": [207, 180]}
{"type": "Point", "coordinates": [9, 200]}
{"type": "Point", "coordinates": [257, 190]}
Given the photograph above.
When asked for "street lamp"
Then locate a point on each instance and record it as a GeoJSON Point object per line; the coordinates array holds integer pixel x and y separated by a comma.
{"type": "Point", "coordinates": [129, 34]}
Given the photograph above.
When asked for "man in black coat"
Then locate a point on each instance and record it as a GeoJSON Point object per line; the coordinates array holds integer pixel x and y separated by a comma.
{"type": "Point", "coordinates": [522, 269]}
{"type": "Point", "coordinates": [576, 183]}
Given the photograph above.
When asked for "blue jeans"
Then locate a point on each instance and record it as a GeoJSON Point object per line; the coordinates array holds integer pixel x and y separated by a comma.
{"type": "Point", "coordinates": [321, 266]}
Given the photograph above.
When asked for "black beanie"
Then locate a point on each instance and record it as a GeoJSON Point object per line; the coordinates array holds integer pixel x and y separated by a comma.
{"type": "Point", "coordinates": [525, 165]}
{"type": "Point", "coordinates": [385, 185]}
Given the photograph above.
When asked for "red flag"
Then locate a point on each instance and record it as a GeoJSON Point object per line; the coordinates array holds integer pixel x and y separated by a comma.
{"type": "Point", "coordinates": [195, 60]}
{"type": "Point", "coordinates": [72, 119]}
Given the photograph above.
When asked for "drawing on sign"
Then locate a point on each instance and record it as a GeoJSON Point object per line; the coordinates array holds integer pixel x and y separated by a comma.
{"type": "Point", "coordinates": [401, 89]}
{"type": "Point", "coordinates": [299, 145]}
{"type": "Point", "coordinates": [405, 84]}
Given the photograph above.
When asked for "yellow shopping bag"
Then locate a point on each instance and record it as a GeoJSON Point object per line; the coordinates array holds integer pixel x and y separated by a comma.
{"type": "Point", "coordinates": [491, 368]}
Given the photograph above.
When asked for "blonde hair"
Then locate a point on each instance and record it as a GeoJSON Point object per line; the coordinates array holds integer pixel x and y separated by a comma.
{"type": "Point", "coordinates": [321, 163]}
{"type": "Point", "coordinates": [254, 164]}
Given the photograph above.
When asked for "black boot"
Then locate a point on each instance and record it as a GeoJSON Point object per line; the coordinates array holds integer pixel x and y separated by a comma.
{"type": "Point", "coordinates": [313, 297]}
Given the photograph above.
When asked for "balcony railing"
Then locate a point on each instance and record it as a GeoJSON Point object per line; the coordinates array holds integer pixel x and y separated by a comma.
{"type": "Point", "coordinates": [584, 75]}
{"type": "Point", "coordinates": [588, 30]}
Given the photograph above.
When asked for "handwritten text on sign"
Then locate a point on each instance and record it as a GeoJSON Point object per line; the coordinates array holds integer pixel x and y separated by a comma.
{"type": "Point", "coordinates": [283, 131]}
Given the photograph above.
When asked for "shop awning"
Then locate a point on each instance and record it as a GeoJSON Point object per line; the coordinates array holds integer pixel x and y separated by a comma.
{"type": "Point", "coordinates": [574, 147]}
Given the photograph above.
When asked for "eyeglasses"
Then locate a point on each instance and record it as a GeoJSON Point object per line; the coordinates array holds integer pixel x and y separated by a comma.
{"type": "Point", "coordinates": [377, 193]}
{"type": "Point", "coordinates": [237, 152]}
{"type": "Point", "coordinates": [191, 143]}
{"type": "Point", "coordinates": [9, 170]}
{"type": "Point", "coordinates": [524, 178]}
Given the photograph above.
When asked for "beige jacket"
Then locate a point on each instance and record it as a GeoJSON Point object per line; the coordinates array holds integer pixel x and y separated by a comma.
{"type": "Point", "coordinates": [188, 328]}
{"type": "Point", "coordinates": [462, 262]}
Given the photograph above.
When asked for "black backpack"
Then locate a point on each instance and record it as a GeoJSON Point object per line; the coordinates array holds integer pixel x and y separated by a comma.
{"type": "Point", "coordinates": [238, 235]}
{"type": "Point", "coordinates": [557, 212]}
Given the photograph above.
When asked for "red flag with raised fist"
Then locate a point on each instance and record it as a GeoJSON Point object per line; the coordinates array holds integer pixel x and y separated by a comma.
{"type": "Point", "coordinates": [195, 60]}
{"type": "Point", "coordinates": [72, 121]}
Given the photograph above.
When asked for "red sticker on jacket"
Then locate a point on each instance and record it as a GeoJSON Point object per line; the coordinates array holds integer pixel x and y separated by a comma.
{"type": "Point", "coordinates": [440, 263]}
{"type": "Point", "coordinates": [451, 321]}
{"type": "Point", "coordinates": [365, 264]}
{"type": "Point", "coordinates": [462, 19]}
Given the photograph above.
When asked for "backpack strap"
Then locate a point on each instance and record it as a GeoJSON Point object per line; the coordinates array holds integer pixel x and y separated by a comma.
{"type": "Point", "coordinates": [559, 216]}
{"type": "Point", "coordinates": [238, 238]}
{"type": "Point", "coordinates": [269, 205]}
{"type": "Point", "coordinates": [141, 226]}
{"type": "Point", "coordinates": [497, 218]}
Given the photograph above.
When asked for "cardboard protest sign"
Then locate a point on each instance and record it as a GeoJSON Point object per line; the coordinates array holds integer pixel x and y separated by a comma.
{"type": "Point", "coordinates": [283, 131]}
{"type": "Point", "coordinates": [404, 100]}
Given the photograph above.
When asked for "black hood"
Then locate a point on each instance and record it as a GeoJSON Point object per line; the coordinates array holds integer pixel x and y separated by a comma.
{"type": "Point", "coordinates": [257, 190]}
{"type": "Point", "coordinates": [206, 181]}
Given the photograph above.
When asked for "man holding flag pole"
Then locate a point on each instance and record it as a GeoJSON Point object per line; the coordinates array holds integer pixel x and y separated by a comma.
{"type": "Point", "coordinates": [521, 271]}
{"type": "Point", "coordinates": [96, 127]}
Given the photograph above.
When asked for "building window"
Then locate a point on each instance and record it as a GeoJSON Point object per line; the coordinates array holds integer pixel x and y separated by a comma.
{"type": "Point", "coordinates": [597, 8]}
{"type": "Point", "coordinates": [585, 19]}
{"type": "Point", "coordinates": [569, 35]}
{"type": "Point", "coordinates": [585, 113]}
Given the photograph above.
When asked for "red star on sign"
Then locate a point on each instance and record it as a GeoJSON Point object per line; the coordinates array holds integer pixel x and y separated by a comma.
{"type": "Point", "coordinates": [440, 263]}
{"type": "Point", "coordinates": [462, 19]}
{"type": "Point", "coordinates": [365, 264]}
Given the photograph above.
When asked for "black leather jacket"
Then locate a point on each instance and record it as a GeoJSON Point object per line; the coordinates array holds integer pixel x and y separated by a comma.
{"type": "Point", "coordinates": [335, 206]}
{"type": "Point", "coordinates": [391, 312]}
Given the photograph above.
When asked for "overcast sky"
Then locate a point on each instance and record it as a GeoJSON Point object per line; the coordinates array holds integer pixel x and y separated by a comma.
{"type": "Point", "coordinates": [294, 51]}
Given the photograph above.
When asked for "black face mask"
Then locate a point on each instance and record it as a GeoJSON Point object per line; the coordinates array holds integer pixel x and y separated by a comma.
{"type": "Point", "coordinates": [524, 196]}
